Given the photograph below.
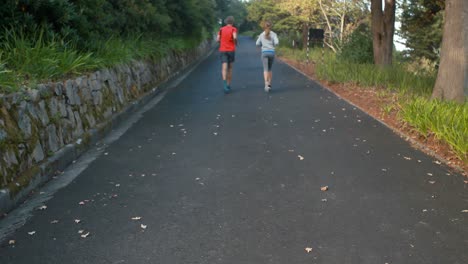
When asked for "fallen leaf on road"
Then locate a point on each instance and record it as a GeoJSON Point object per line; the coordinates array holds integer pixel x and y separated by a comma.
{"type": "Point", "coordinates": [42, 207]}
{"type": "Point", "coordinates": [464, 211]}
{"type": "Point", "coordinates": [430, 174]}
{"type": "Point", "coordinates": [308, 249]}
{"type": "Point", "coordinates": [407, 158]}
{"type": "Point", "coordinates": [85, 235]}
{"type": "Point", "coordinates": [197, 179]}
{"type": "Point", "coordinates": [143, 226]}
{"type": "Point", "coordinates": [324, 188]}
{"type": "Point", "coordinates": [31, 233]}
{"type": "Point", "coordinates": [300, 157]}
{"type": "Point", "coordinates": [54, 221]}
{"type": "Point", "coordinates": [77, 221]}
{"type": "Point", "coordinates": [437, 162]}
{"type": "Point", "coordinates": [80, 231]}
{"type": "Point", "coordinates": [432, 182]}
{"type": "Point", "coordinates": [324, 200]}
{"type": "Point", "coordinates": [11, 242]}
{"type": "Point", "coordinates": [81, 203]}
{"type": "Point", "coordinates": [136, 218]}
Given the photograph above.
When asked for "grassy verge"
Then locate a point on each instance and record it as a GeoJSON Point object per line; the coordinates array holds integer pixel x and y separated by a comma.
{"type": "Point", "coordinates": [446, 121]}
{"type": "Point", "coordinates": [25, 61]}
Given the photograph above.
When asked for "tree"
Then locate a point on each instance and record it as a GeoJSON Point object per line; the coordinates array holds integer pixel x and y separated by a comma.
{"type": "Point", "coordinates": [383, 27]}
{"type": "Point", "coordinates": [452, 78]}
{"type": "Point", "coordinates": [421, 27]}
{"type": "Point", "coordinates": [306, 11]}
{"type": "Point", "coordinates": [341, 18]}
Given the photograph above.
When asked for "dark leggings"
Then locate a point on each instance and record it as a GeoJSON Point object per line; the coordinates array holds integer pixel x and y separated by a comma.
{"type": "Point", "coordinates": [268, 59]}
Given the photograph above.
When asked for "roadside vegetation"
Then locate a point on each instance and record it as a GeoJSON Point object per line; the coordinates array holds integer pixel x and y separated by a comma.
{"type": "Point", "coordinates": [54, 39]}
{"type": "Point", "coordinates": [346, 56]}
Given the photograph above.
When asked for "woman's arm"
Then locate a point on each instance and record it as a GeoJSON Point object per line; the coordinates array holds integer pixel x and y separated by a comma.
{"type": "Point", "coordinates": [275, 40]}
{"type": "Point", "coordinates": [259, 40]}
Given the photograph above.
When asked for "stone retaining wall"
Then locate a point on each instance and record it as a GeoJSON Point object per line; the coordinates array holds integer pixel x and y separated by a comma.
{"type": "Point", "coordinates": [37, 123]}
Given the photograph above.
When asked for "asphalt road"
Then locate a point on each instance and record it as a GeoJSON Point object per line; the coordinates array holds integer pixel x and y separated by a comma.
{"type": "Point", "coordinates": [237, 178]}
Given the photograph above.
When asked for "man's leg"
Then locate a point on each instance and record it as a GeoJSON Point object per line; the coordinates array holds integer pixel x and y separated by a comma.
{"type": "Point", "coordinates": [224, 70]}
{"type": "Point", "coordinates": [224, 73]}
{"type": "Point", "coordinates": [229, 73]}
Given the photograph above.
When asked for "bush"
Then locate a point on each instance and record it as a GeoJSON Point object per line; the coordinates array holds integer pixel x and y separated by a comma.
{"type": "Point", "coordinates": [358, 48]}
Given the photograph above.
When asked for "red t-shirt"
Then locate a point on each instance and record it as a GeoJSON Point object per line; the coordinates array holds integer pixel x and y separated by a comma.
{"type": "Point", "coordinates": [226, 38]}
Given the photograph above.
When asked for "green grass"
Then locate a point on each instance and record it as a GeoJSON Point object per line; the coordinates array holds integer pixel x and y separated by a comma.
{"type": "Point", "coordinates": [394, 77]}
{"type": "Point", "coordinates": [28, 60]}
{"type": "Point", "coordinates": [445, 120]}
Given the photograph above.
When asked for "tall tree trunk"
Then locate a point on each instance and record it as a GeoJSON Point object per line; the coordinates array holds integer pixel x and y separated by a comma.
{"type": "Point", "coordinates": [452, 78]}
{"type": "Point", "coordinates": [383, 27]}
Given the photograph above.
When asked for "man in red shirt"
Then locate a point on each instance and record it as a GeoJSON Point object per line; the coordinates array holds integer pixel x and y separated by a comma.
{"type": "Point", "coordinates": [227, 38]}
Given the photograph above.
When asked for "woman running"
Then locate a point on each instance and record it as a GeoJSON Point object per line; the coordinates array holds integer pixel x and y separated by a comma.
{"type": "Point", "coordinates": [267, 40]}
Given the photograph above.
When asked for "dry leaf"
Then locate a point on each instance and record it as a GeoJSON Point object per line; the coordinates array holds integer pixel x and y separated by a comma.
{"type": "Point", "coordinates": [437, 162]}
{"type": "Point", "coordinates": [77, 221]}
{"type": "Point", "coordinates": [432, 182]}
{"type": "Point", "coordinates": [300, 157]}
{"type": "Point", "coordinates": [31, 233]}
{"type": "Point", "coordinates": [11, 242]}
{"type": "Point", "coordinates": [85, 235]}
{"type": "Point", "coordinates": [54, 221]}
{"type": "Point", "coordinates": [143, 226]}
{"type": "Point", "coordinates": [430, 174]}
{"type": "Point", "coordinates": [136, 218]}
{"type": "Point", "coordinates": [464, 211]}
{"type": "Point", "coordinates": [407, 158]}
{"type": "Point", "coordinates": [308, 249]}
{"type": "Point", "coordinates": [324, 188]}
{"type": "Point", "coordinates": [81, 203]}
{"type": "Point", "coordinates": [42, 207]}
{"type": "Point", "coordinates": [80, 231]}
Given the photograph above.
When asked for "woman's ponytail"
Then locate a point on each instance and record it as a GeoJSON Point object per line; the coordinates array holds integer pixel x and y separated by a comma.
{"type": "Point", "coordinates": [267, 28]}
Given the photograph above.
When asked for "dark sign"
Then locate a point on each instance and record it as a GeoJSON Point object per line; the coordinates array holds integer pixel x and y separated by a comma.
{"type": "Point", "coordinates": [316, 34]}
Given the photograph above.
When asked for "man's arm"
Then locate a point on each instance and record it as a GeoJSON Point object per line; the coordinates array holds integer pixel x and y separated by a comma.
{"type": "Point", "coordinates": [234, 36]}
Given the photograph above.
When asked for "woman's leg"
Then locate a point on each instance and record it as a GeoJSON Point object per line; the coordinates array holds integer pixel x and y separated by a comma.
{"type": "Point", "coordinates": [265, 62]}
{"type": "Point", "coordinates": [271, 59]}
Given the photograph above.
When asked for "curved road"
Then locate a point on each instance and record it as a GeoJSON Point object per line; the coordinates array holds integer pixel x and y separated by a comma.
{"type": "Point", "coordinates": [213, 178]}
